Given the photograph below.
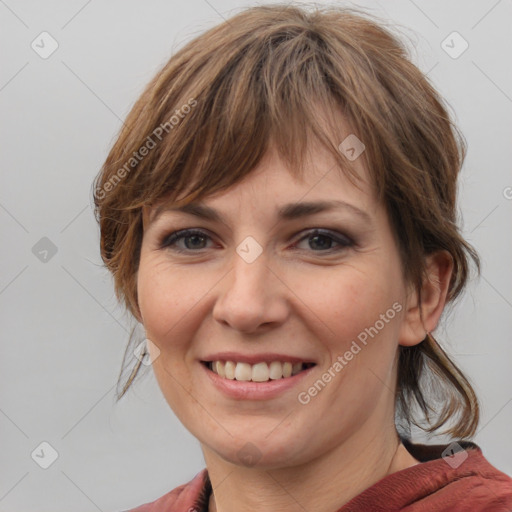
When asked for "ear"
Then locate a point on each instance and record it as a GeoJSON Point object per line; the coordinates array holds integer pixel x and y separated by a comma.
{"type": "Point", "coordinates": [419, 320]}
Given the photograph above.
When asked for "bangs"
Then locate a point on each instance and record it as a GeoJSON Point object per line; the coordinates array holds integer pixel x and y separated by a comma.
{"type": "Point", "coordinates": [260, 94]}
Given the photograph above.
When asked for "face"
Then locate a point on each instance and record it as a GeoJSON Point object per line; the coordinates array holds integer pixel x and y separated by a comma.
{"type": "Point", "coordinates": [318, 286]}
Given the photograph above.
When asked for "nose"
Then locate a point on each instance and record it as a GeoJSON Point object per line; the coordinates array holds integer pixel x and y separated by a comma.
{"type": "Point", "coordinates": [252, 297]}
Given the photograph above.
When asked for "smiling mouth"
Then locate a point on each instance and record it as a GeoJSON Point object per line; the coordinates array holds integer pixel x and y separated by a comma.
{"type": "Point", "coordinates": [259, 372]}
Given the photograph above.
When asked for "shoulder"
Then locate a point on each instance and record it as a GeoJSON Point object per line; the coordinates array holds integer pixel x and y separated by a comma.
{"type": "Point", "coordinates": [458, 477]}
{"type": "Point", "coordinates": [184, 498]}
{"type": "Point", "coordinates": [479, 485]}
{"type": "Point", "coordinates": [446, 480]}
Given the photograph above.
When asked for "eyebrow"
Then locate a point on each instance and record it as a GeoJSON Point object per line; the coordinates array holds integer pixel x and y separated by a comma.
{"type": "Point", "coordinates": [288, 211]}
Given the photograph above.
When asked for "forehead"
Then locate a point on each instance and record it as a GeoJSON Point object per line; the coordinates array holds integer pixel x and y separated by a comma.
{"type": "Point", "coordinates": [272, 184]}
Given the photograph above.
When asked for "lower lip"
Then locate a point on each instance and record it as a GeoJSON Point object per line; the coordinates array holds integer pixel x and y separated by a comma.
{"type": "Point", "coordinates": [248, 390]}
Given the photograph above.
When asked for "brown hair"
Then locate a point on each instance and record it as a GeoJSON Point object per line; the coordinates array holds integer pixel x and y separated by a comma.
{"type": "Point", "coordinates": [272, 75]}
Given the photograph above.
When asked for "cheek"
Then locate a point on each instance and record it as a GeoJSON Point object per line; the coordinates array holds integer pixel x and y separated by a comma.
{"type": "Point", "coordinates": [173, 301]}
{"type": "Point", "coordinates": [164, 297]}
{"type": "Point", "coordinates": [349, 299]}
{"type": "Point", "coordinates": [360, 313]}
{"type": "Point", "coordinates": [170, 304]}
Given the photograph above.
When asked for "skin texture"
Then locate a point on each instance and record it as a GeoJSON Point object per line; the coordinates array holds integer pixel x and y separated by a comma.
{"type": "Point", "coordinates": [300, 297]}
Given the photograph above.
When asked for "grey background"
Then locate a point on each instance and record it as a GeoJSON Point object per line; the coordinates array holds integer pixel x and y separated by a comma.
{"type": "Point", "coordinates": [63, 333]}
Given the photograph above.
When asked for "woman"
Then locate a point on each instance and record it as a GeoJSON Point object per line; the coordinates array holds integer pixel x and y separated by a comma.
{"type": "Point", "coordinates": [278, 212]}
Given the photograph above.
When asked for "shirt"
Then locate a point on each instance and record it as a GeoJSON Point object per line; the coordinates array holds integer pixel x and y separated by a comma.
{"type": "Point", "coordinates": [448, 479]}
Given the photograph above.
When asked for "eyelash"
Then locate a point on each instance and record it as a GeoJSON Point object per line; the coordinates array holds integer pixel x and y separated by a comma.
{"type": "Point", "coordinates": [169, 241]}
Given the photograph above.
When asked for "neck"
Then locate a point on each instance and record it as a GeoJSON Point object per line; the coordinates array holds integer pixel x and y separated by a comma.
{"type": "Point", "coordinates": [324, 484]}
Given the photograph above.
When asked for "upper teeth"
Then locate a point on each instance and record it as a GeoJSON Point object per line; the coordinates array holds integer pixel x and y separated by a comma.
{"type": "Point", "coordinates": [259, 372]}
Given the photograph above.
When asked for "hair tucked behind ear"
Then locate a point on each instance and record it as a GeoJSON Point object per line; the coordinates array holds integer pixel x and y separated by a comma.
{"type": "Point", "coordinates": [427, 364]}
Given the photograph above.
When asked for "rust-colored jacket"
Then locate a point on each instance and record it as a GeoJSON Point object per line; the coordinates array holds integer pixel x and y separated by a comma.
{"type": "Point", "coordinates": [445, 481]}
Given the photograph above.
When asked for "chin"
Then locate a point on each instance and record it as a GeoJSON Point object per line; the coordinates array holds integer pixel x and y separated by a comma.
{"type": "Point", "coordinates": [262, 452]}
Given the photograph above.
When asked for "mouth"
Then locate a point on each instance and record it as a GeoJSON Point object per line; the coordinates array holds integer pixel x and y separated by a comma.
{"type": "Point", "coordinates": [260, 372]}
